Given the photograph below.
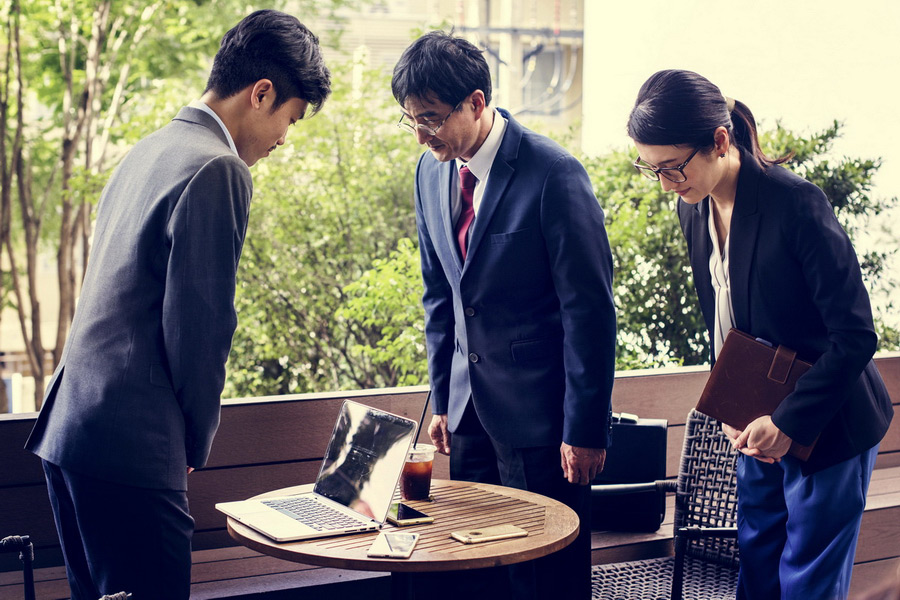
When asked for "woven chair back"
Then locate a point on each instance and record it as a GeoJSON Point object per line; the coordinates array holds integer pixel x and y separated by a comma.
{"type": "Point", "coordinates": [707, 495]}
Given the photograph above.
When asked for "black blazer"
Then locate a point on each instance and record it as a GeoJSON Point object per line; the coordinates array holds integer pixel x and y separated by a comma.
{"type": "Point", "coordinates": [795, 280]}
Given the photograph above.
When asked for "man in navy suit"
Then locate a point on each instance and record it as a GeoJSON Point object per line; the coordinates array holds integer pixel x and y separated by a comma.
{"type": "Point", "coordinates": [519, 315]}
{"type": "Point", "coordinates": [134, 403]}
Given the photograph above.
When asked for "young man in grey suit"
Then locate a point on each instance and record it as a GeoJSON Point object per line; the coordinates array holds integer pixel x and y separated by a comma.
{"type": "Point", "coordinates": [519, 316]}
{"type": "Point", "coordinates": [134, 403]}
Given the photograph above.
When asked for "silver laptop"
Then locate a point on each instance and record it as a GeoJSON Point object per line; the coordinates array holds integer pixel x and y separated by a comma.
{"type": "Point", "coordinates": [355, 486]}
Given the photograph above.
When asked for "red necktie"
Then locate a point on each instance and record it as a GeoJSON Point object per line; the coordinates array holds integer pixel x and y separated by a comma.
{"type": "Point", "coordinates": [467, 194]}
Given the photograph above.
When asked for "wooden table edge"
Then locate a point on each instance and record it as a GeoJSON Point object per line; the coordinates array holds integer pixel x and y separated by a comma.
{"type": "Point", "coordinates": [287, 550]}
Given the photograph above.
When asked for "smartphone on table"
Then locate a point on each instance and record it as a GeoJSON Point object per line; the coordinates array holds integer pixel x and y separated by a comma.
{"type": "Point", "coordinates": [393, 544]}
{"type": "Point", "coordinates": [401, 515]}
{"type": "Point", "coordinates": [488, 534]}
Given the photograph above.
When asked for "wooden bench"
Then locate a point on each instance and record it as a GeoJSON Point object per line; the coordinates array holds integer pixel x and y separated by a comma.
{"type": "Point", "coordinates": [267, 443]}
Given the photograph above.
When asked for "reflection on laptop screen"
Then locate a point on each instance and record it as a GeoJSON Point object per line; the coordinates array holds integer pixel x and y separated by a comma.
{"type": "Point", "coordinates": [367, 450]}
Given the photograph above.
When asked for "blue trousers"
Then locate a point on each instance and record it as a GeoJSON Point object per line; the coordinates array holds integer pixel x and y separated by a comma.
{"type": "Point", "coordinates": [797, 534]}
{"type": "Point", "coordinates": [119, 538]}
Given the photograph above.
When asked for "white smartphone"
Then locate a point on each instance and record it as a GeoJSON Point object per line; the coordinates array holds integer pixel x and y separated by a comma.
{"type": "Point", "coordinates": [392, 544]}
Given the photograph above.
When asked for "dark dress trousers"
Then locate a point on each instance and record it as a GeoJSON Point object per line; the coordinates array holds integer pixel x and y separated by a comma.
{"type": "Point", "coordinates": [520, 335]}
{"type": "Point", "coordinates": [135, 398]}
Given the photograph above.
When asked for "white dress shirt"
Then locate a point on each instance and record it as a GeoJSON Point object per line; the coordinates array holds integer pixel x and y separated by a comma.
{"type": "Point", "coordinates": [480, 166]}
{"type": "Point", "coordinates": [718, 271]}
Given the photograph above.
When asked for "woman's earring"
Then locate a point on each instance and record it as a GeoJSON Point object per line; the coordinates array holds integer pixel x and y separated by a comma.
{"type": "Point", "coordinates": [722, 155]}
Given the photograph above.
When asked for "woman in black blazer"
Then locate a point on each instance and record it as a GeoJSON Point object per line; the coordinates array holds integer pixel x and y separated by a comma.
{"type": "Point", "coordinates": [770, 259]}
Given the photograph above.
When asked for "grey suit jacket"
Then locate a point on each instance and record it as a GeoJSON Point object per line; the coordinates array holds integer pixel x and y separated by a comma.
{"type": "Point", "coordinates": [135, 398]}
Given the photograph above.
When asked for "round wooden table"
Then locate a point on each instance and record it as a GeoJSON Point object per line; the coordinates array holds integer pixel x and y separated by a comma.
{"type": "Point", "coordinates": [456, 505]}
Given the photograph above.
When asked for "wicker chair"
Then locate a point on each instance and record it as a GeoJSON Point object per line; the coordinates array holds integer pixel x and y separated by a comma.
{"type": "Point", "coordinates": [22, 544]}
{"type": "Point", "coordinates": [705, 564]}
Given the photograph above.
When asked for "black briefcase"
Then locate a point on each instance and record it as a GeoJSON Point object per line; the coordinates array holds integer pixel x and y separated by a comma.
{"type": "Point", "coordinates": [637, 455]}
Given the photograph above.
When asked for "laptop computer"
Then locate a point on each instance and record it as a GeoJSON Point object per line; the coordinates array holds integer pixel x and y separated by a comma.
{"type": "Point", "coordinates": [355, 485]}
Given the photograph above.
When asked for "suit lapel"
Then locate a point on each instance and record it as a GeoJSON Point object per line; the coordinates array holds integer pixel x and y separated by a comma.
{"type": "Point", "coordinates": [501, 174]}
{"type": "Point", "coordinates": [743, 239]}
{"type": "Point", "coordinates": [701, 249]}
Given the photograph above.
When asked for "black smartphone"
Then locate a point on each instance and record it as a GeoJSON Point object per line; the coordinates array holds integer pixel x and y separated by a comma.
{"type": "Point", "coordinates": [401, 514]}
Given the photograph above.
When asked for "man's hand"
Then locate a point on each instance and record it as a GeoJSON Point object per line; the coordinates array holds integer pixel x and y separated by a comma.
{"type": "Point", "coordinates": [190, 470]}
{"type": "Point", "coordinates": [761, 439]}
{"type": "Point", "coordinates": [581, 465]}
{"type": "Point", "coordinates": [440, 435]}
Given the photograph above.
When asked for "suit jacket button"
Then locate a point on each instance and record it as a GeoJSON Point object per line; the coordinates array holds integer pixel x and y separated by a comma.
{"type": "Point", "coordinates": [470, 312]}
{"type": "Point", "coordinates": [473, 357]}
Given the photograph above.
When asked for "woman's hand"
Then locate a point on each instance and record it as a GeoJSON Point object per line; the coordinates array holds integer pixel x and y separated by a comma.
{"type": "Point", "coordinates": [731, 433]}
{"type": "Point", "coordinates": [762, 440]}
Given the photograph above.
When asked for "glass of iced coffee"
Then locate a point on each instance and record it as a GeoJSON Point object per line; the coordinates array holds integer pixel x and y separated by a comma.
{"type": "Point", "coordinates": [415, 480]}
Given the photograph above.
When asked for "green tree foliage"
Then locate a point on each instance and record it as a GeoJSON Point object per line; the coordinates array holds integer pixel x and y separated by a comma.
{"type": "Point", "coordinates": [848, 184]}
{"type": "Point", "coordinates": [326, 206]}
{"type": "Point", "coordinates": [69, 71]}
{"type": "Point", "coordinates": [659, 320]}
{"type": "Point", "coordinates": [80, 82]}
{"type": "Point", "coordinates": [380, 301]}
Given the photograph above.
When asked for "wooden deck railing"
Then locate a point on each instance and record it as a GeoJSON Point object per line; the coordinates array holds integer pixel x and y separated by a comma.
{"type": "Point", "coordinates": [272, 442]}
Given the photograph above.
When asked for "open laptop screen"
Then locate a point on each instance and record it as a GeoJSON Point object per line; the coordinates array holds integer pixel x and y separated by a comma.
{"type": "Point", "coordinates": [364, 459]}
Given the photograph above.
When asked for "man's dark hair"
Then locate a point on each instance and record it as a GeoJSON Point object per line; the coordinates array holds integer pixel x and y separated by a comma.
{"type": "Point", "coordinates": [442, 66]}
{"type": "Point", "coordinates": [269, 44]}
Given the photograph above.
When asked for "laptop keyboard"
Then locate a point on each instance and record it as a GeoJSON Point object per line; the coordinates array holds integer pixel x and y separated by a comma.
{"type": "Point", "coordinates": [312, 513]}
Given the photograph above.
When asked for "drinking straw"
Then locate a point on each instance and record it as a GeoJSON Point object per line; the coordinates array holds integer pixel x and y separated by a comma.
{"type": "Point", "coordinates": [422, 420]}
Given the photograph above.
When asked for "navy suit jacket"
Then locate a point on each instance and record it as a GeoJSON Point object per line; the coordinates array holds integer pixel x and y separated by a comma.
{"type": "Point", "coordinates": [526, 325]}
{"type": "Point", "coordinates": [795, 280]}
{"type": "Point", "coordinates": [135, 398]}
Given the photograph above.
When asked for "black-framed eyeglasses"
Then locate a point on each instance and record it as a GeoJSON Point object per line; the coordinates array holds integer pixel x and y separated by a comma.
{"type": "Point", "coordinates": [673, 174]}
{"type": "Point", "coordinates": [407, 124]}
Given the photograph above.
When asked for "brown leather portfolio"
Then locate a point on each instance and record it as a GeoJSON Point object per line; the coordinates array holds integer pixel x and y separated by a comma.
{"type": "Point", "coordinates": [749, 379]}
